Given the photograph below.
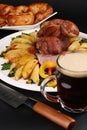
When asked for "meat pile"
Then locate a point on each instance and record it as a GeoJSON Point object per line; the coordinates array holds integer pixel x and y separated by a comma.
{"type": "Point", "coordinates": [54, 36]}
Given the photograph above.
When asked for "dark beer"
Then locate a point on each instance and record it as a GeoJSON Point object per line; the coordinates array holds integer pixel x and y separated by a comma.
{"type": "Point", "coordinates": [72, 91]}
{"type": "Point", "coordinates": [72, 80]}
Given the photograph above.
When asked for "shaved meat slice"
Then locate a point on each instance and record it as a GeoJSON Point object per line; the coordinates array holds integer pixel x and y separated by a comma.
{"type": "Point", "coordinates": [42, 58]}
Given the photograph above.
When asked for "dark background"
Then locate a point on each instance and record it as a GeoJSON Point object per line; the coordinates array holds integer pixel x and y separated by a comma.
{"type": "Point", "coordinates": [24, 118]}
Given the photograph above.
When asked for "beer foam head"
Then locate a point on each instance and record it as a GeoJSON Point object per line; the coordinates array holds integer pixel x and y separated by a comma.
{"type": "Point", "coordinates": [73, 64]}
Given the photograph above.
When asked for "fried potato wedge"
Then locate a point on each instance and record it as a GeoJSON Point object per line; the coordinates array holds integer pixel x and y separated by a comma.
{"type": "Point", "coordinates": [14, 55]}
{"type": "Point", "coordinates": [24, 59]}
{"type": "Point", "coordinates": [13, 65]}
{"type": "Point", "coordinates": [28, 68]}
{"type": "Point", "coordinates": [74, 46]}
{"type": "Point", "coordinates": [35, 74]}
{"type": "Point", "coordinates": [32, 36]}
{"type": "Point", "coordinates": [20, 40]}
{"type": "Point", "coordinates": [19, 46]}
{"type": "Point", "coordinates": [77, 38]}
{"type": "Point", "coordinates": [18, 73]}
{"type": "Point", "coordinates": [83, 47]}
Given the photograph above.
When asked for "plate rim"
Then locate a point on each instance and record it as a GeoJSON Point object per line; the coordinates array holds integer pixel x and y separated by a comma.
{"type": "Point", "coordinates": [12, 81]}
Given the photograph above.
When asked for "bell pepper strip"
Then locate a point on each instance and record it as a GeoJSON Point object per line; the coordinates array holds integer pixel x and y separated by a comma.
{"type": "Point", "coordinates": [49, 65]}
{"type": "Point", "coordinates": [49, 71]}
{"type": "Point", "coordinates": [52, 83]}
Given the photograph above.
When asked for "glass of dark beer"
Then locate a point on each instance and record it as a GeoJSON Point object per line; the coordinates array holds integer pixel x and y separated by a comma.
{"type": "Point", "coordinates": [71, 80]}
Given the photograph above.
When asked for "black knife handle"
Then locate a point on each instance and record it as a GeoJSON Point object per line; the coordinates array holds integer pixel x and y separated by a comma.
{"type": "Point", "coordinates": [50, 113]}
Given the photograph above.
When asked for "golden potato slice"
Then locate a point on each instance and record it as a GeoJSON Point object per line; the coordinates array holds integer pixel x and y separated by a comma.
{"type": "Point", "coordinates": [28, 36]}
{"type": "Point", "coordinates": [74, 46]}
{"type": "Point", "coordinates": [23, 46]}
{"type": "Point", "coordinates": [35, 74]}
{"type": "Point", "coordinates": [24, 59]}
{"type": "Point", "coordinates": [84, 45]}
{"type": "Point", "coordinates": [13, 65]}
{"type": "Point", "coordinates": [20, 40]}
{"type": "Point", "coordinates": [18, 73]}
{"type": "Point", "coordinates": [31, 37]}
{"type": "Point", "coordinates": [19, 45]}
{"type": "Point", "coordinates": [28, 68]}
{"type": "Point", "coordinates": [14, 55]}
{"type": "Point", "coordinates": [34, 35]}
{"type": "Point", "coordinates": [74, 39]}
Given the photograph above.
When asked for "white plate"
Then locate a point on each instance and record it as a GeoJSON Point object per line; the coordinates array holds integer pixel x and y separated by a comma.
{"type": "Point", "coordinates": [20, 83]}
{"type": "Point", "coordinates": [3, 74]}
{"type": "Point", "coordinates": [27, 27]}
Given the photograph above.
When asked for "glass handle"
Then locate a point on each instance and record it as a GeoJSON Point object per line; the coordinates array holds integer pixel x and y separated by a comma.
{"type": "Point", "coordinates": [49, 97]}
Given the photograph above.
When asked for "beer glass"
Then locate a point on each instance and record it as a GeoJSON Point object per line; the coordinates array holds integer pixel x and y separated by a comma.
{"type": "Point", "coordinates": [71, 80]}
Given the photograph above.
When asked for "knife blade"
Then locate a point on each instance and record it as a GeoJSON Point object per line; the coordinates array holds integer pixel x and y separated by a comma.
{"type": "Point", "coordinates": [16, 99]}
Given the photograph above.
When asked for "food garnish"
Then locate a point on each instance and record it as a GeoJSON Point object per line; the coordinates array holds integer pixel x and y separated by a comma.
{"type": "Point", "coordinates": [46, 69]}
{"type": "Point", "coordinates": [22, 52]}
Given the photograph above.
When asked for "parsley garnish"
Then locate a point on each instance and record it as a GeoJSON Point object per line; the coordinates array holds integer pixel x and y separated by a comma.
{"type": "Point", "coordinates": [5, 66]}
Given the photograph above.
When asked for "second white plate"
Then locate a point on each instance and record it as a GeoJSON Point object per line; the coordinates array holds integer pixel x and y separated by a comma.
{"type": "Point", "coordinates": [27, 27]}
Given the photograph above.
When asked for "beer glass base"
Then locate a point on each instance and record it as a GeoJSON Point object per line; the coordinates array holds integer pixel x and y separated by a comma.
{"type": "Point", "coordinates": [81, 110]}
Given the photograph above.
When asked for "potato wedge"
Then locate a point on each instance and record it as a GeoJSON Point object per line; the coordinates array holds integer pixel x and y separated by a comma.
{"type": "Point", "coordinates": [29, 38]}
{"type": "Point", "coordinates": [74, 39]}
{"type": "Point", "coordinates": [84, 45]}
{"type": "Point", "coordinates": [28, 68]}
{"type": "Point", "coordinates": [32, 36]}
{"type": "Point", "coordinates": [14, 55]}
{"type": "Point", "coordinates": [35, 74]}
{"type": "Point", "coordinates": [18, 73]}
{"type": "Point", "coordinates": [13, 65]}
{"type": "Point", "coordinates": [18, 43]}
{"type": "Point", "coordinates": [21, 46]}
{"type": "Point", "coordinates": [24, 59]}
{"type": "Point", "coordinates": [74, 46]}
{"type": "Point", "coordinates": [20, 40]}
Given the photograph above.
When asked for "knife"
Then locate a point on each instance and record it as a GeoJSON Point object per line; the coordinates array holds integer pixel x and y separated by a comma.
{"type": "Point", "coordinates": [16, 99]}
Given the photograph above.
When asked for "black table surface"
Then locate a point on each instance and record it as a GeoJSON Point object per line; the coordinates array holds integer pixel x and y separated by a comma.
{"type": "Point", "coordinates": [24, 118]}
